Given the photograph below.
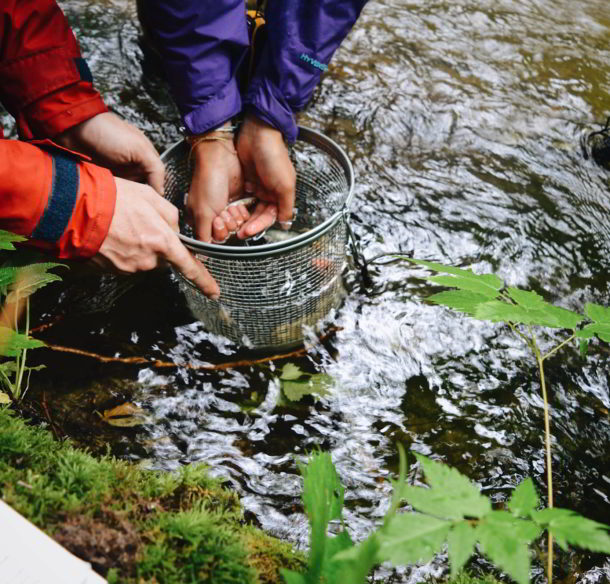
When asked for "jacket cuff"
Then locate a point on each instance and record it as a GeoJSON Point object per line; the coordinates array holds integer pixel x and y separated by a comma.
{"type": "Point", "coordinates": [215, 111]}
{"type": "Point", "coordinates": [266, 105]}
{"type": "Point", "coordinates": [57, 112]}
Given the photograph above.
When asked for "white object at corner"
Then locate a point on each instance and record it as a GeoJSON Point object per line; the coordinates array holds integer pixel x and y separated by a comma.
{"type": "Point", "coordinates": [29, 556]}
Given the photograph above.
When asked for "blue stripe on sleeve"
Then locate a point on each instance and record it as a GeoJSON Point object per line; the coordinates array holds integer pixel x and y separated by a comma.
{"type": "Point", "coordinates": [64, 189]}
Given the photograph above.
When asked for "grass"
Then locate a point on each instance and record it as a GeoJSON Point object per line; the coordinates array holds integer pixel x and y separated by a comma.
{"type": "Point", "coordinates": [133, 525]}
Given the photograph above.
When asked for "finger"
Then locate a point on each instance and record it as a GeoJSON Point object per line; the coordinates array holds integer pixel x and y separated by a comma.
{"type": "Point", "coordinates": [192, 269]}
{"type": "Point", "coordinates": [229, 221]}
{"type": "Point", "coordinates": [263, 217]}
{"type": "Point", "coordinates": [220, 233]}
{"type": "Point", "coordinates": [237, 215]}
{"type": "Point", "coordinates": [155, 175]}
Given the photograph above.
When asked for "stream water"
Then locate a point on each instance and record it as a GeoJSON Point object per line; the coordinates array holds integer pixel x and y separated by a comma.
{"type": "Point", "coordinates": [463, 122]}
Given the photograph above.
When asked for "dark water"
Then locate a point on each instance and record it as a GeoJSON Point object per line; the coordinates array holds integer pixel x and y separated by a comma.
{"type": "Point", "coordinates": [462, 120]}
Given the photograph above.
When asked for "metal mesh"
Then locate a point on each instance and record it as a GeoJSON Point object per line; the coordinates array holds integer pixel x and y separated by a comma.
{"type": "Point", "coordinates": [269, 292]}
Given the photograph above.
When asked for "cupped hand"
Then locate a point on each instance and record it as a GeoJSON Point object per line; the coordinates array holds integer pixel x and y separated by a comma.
{"type": "Point", "coordinates": [268, 175]}
{"type": "Point", "coordinates": [117, 145]}
{"type": "Point", "coordinates": [217, 180]}
{"type": "Point", "coordinates": [143, 235]}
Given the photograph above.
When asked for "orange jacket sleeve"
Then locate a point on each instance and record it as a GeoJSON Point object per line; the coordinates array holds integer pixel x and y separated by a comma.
{"type": "Point", "coordinates": [62, 202]}
{"type": "Point", "coordinates": [65, 205]}
{"type": "Point", "coordinates": [44, 82]}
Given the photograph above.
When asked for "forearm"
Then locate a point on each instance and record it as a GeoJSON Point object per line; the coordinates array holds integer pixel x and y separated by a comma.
{"type": "Point", "coordinates": [201, 43]}
{"type": "Point", "coordinates": [302, 37]}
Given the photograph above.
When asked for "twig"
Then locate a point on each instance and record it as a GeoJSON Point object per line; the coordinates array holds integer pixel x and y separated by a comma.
{"type": "Point", "coordinates": [168, 364]}
{"type": "Point", "coordinates": [45, 407]}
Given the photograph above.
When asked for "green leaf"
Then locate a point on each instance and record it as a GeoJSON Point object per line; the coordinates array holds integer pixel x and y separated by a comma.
{"type": "Point", "coordinates": [461, 300]}
{"type": "Point", "coordinates": [597, 313]}
{"type": "Point", "coordinates": [290, 372]}
{"type": "Point", "coordinates": [469, 284]}
{"type": "Point", "coordinates": [490, 281]}
{"type": "Point", "coordinates": [584, 348]}
{"type": "Point", "coordinates": [317, 384]}
{"type": "Point", "coordinates": [461, 541]}
{"type": "Point", "coordinates": [332, 570]}
{"type": "Point", "coordinates": [524, 500]}
{"type": "Point", "coordinates": [7, 276]}
{"type": "Point", "coordinates": [526, 298]}
{"type": "Point", "coordinates": [571, 528]}
{"type": "Point", "coordinates": [7, 239]}
{"type": "Point", "coordinates": [355, 564]}
{"type": "Point", "coordinates": [504, 540]}
{"type": "Point", "coordinates": [548, 315]}
{"type": "Point", "coordinates": [409, 538]}
{"type": "Point", "coordinates": [323, 502]}
{"type": "Point", "coordinates": [5, 398]}
{"type": "Point", "coordinates": [12, 343]}
{"type": "Point", "coordinates": [451, 495]}
{"type": "Point", "coordinates": [31, 278]}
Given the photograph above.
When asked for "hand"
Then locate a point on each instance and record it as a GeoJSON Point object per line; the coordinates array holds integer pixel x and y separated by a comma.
{"type": "Point", "coordinates": [268, 175]}
{"type": "Point", "coordinates": [143, 235]}
{"type": "Point", "coordinates": [217, 180]}
{"type": "Point", "coordinates": [117, 145]}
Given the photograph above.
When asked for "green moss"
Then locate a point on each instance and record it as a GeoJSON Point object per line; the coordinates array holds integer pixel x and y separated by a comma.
{"type": "Point", "coordinates": [134, 525]}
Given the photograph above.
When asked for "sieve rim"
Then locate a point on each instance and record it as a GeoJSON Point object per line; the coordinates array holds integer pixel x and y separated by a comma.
{"type": "Point", "coordinates": [219, 251]}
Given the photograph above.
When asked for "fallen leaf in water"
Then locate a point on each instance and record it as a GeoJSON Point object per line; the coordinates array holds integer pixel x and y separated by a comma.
{"type": "Point", "coordinates": [291, 372]}
{"type": "Point", "coordinates": [125, 416]}
{"type": "Point", "coordinates": [317, 384]}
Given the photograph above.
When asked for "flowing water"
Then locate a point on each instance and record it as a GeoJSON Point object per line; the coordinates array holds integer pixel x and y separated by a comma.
{"type": "Point", "coordinates": [463, 122]}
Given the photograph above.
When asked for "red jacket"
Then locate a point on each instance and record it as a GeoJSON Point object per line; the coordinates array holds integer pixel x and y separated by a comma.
{"type": "Point", "coordinates": [64, 203]}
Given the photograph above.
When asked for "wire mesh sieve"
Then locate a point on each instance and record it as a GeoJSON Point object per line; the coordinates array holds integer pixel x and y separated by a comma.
{"type": "Point", "coordinates": [271, 291]}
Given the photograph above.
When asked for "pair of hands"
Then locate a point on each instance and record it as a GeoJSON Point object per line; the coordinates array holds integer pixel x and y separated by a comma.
{"type": "Point", "coordinates": [143, 233]}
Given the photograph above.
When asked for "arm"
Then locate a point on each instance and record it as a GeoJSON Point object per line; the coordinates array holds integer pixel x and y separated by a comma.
{"type": "Point", "coordinates": [44, 82]}
{"type": "Point", "coordinates": [302, 37]}
{"type": "Point", "coordinates": [201, 43]}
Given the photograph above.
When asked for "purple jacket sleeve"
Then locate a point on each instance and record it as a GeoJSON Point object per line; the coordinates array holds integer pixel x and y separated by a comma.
{"type": "Point", "coordinates": [201, 43]}
{"type": "Point", "coordinates": [302, 37]}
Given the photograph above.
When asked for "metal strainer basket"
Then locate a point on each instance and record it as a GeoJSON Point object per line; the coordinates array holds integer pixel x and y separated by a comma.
{"type": "Point", "coordinates": [271, 291]}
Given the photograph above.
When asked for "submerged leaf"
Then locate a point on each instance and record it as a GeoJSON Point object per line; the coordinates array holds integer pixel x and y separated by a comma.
{"type": "Point", "coordinates": [317, 384]}
{"type": "Point", "coordinates": [290, 372]}
{"type": "Point", "coordinates": [126, 415]}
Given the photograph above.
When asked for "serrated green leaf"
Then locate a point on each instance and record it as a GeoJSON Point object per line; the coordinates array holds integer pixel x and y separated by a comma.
{"type": "Point", "coordinates": [290, 372]}
{"type": "Point", "coordinates": [504, 540]}
{"type": "Point", "coordinates": [597, 313]}
{"type": "Point", "coordinates": [526, 298]}
{"type": "Point", "coordinates": [12, 343]}
{"type": "Point", "coordinates": [323, 501]}
{"type": "Point", "coordinates": [524, 500]}
{"type": "Point", "coordinates": [462, 300]}
{"type": "Point", "coordinates": [571, 528]}
{"type": "Point", "coordinates": [7, 239]}
{"type": "Point", "coordinates": [7, 276]}
{"type": "Point", "coordinates": [31, 278]}
{"type": "Point", "coordinates": [409, 538]}
{"type": "Point", "coordinates": [292, 577]}
{"type": "Point", "coordinates": [331, 570]}
{"type": "Point", "coordinates": [470, 284]}
{"type": "Point", "coordinates": [551, 316]}
{"type": "Point", "coordinates": [317, 384]}
{"type": "Point", "coordinates": [600, 329]}
{"type": "Point", "coordinates": [461, 541]}
{"type": "Point", "coordinates": [489, 280]}
{"type": "Point", "coordinates": [451, 495]}
{"type": "Point", "coordinates": [355, 564]}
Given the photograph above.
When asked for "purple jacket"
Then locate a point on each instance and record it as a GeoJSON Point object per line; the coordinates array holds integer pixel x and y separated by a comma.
{"type": "Point", "coordinates": [202, 43]}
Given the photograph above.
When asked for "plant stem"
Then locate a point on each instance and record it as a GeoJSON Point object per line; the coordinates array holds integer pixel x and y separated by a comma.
{"type": "Point", "coordinates": [547, 440]}
{"type": "Point", "coordinates": [559, 346]}
{"type": "Point", "coordinates": [19, 380]}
